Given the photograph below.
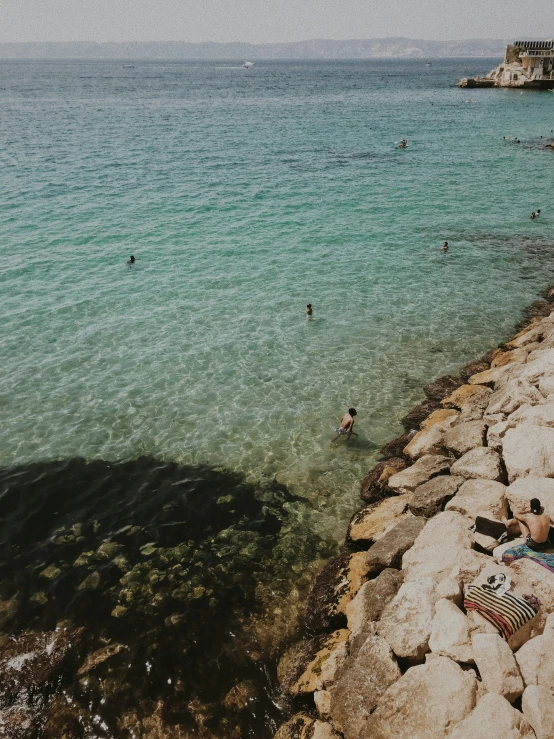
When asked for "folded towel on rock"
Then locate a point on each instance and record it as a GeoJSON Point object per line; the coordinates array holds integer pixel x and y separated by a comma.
{"type": "Point", "coordinates": [522, 550]}
{"type": "Point", "coordinates": [507, 612]}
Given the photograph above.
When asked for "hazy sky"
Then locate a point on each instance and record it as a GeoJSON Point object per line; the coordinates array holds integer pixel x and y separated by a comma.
{"type": "Point", "coordinates": [271, 20]}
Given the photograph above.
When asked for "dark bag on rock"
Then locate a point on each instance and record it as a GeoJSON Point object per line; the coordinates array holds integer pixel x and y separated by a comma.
{"type": "Point", "coordinates": [485, 526]}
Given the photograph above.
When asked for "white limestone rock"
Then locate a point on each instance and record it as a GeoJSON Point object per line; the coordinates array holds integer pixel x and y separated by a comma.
{"type": "Point", "coordinates": [366, 608]}
{"type": "Point", "coordinates": [463, 437]}
{"type": "Point", "coordinates": [425, 703]}
{"type": "Point", "coordinates": [518, 356]}
{"type": "Point", "coordinates": [528, 449]}
{"type": "Point", "coordinates": [374, 521]}
{"type": "Point", "coordinates": [496, 433]}
{"type": "Point", "coordinates": [515, 393]}
{"type": "Point", "coordinates": [426, 467]}
{"type": "Point", "coordinates": [450, 633]}
{"type": "Point", "coordinates": [439, 548]}
{"type": "Point", "coordinates": [470, 400]}
{"type": "Point", "coordinates": [430, 439]}
{"type": "Point", "coordinates": [493, 718]}
{"type": "Point", "coordinates": [538, 708]}
{"type": "Point", "coordinates": [535, 660]}
{"type": "Point", "coordinates": [480, 498]}
{"type": "Point", "coordinates": [497, 666]}
{"type": "Point", "coordinates": [481, 463]}
{"type": "Point", "coordinates": [520, 492]}
{"type": "Point", "coordinates": [406, 621]}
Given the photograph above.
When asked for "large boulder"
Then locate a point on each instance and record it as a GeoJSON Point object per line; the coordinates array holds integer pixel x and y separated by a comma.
{"type": "Point", "coordinates": [440, 416]}
{"type": "Point", "coordinates": [417, 415]}
{"type": "Point", "coordinates": [388, 550]}
{"type": "Point", "coordinates": [535, 661]}
{"type": "Point", "coordinates": [312, 664]}
{"type": "Point", "coordinates": [373, 521]}
{"type": "Point", "coordinates": [520, 492]}
{"type": "Point", "coordinates": [370, 601]}
{"type": "Point", "coordinates": [375, 484]}
{"type": "Point", "coordinates": [361, 685]}
{"type": "Point", "coordinates": [464, 436]}
{"type": "Point", "coordinates": [480, 498]}
{"type": "Point", "coordinates": [481, 463]}
{"type": "Point", "coordinates": [18, 722]}
{"type": "Point", "coordinates": [406, 621]}
{"type": "Point", "coordinates": [519, 356]}
{"type": "Point", "coordinates": [470, 400]}
{"type": "Point", "coordinates": [439, 548]}
{"type": "Point", "coordinates": [426, 441]}
{"type": "Point", "coordinates": [514, 393]}
{"type": "Point", "coordinates": [538, 708]}
{"type": "Point", "coordinates": [450, 632]}
{"type": "Point", "coordinates": [528, 449]}
{"type": "Point", "coordinates": [540, 415]}
{"type": "Point", "coordinates": [493, 718]}
{"type": "Point", "coordinates": [333, 588]}
{"type": "Point", "coordinates": [424, 704]}
{"type": "Point", "coordinates": [497, 666]}
{"type": "Point", "coordinates": [429, 498]}
{"type": "Point", "coordinates": [426, 467]}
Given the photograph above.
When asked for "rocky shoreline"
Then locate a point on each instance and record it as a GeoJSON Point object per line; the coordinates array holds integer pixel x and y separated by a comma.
{"type": "Point", "coordinates": [394, 647]}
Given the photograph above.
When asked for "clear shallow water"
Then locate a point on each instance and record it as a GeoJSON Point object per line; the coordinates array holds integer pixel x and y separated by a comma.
{"type": "Point", "coordinates": [245, 195]}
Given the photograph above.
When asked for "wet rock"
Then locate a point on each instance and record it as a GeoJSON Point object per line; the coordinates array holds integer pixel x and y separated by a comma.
{"type": "Point", "coordinates": [497, 666]}
{"type": "Point", "coordinates": [51, 572]}
{"type": "Point", "coordinates": [388, 551]}
{"type": "Point", "coordinates": [108, 550]}
{"type": "Point", "coordinates": [464, 437]}
{"type": "Point", "coordinates": [18, 722]}
{"type": "Point", "coordinates": [473, 368]}
{"type": "Point", "coordinates": [420, 413]}
{"type": "Point", "coordinates": [406, 621]}
{"type": "Point", "coordinates": [300, 726]}
{"type": "Point", "coordinates": [520, 492]}
{"type": "Point", "coordinates": [375, 484]}
{"type": "Point", "coordinates": [493, 718]}
{"type": "Point", "coordinates": [83, 559]}
{"type": "Point", "coordinates": [332, 590]}
{"type": "Point", "coordinates": [481, 463]}
{"type": "Point", "coordinates": [67, 720]}
{"type": "Point", "coordinates": [429, 498]}
{"type": "Point", "coordinates": [442, 387]}
{"type": "Point", "coordinates": [154, 726]}
{"type": "Point", "coordinates": [370, 601]}
{"type": "Point", "coordinates": [99, 657]}
{"type": "Point", "coordinates": [373, 521]}
{"type": "Point", "coordinates": [241, 695]}
{"type": "Point", "coordinates": [312, 664]}
{"type": "Point", "coordinates": [425, 702]}
{"type": "Point", "coordinates": [518, 356]}
{"type": "Point", "coordinates": [528, 449]}
{"type": "Point", "coordinates": [92, 582]}
{"type": "Point", "coordinates": [33, 659]}
{"type": "Point", "coordinates": [8, 609]}
{"type": "Point", "coordinates": [450, 632]}
{"type": "Point", "coordinates": [424, 469]}
{"type": "Point", "coordinates": [361, 686]}
{"type": "Point", "coordinates": [538, 708]}
{"type": "Point", "coordinates": [480, 498]}
{"type": "Point", "coordinates": [395, 448]}
{"type": "Point", "coordinates": [470, 400]}
{"type": "Point", "coordinates": [439, 548]}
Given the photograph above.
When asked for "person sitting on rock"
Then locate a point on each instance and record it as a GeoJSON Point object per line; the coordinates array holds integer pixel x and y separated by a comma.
{"type": "Point", "coordinates": [533, 525]}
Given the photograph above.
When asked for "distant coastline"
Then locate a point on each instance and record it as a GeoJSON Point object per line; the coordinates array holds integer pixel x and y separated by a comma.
{"type": "Point", "coordinates": [378, 48]}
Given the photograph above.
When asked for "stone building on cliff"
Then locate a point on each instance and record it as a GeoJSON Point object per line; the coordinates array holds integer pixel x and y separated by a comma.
{"type": "Point", "coordinates": [527, 64]}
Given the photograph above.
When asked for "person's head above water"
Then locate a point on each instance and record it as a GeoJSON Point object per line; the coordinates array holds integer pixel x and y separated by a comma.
{"type": "Point", "coordinates": [353, 412]}
{"type": "Point", "coordinates": [535, 506]}
{"type": "Point", "coordinates": [132, 259]}
{"type": "Point", "coordinates": [309, 305]}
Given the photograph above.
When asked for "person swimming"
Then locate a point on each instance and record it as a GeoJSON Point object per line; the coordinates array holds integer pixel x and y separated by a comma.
{"type": "Point", "coordinates": [131, 260]}
{"type": "Point", "coordinates": [533, 216]}
{"type": "Point", "coordinates": [403, 144]}
{"type": "Point", "coordinates": [445, 246]}
{"type": "Point", "coordinates": [309, 311]}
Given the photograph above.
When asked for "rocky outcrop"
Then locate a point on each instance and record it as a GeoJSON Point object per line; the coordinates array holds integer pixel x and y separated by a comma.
{"type": "Point", "coordinates": [425, 702]}
{"type": "Point", "coordinates": [361, 686]}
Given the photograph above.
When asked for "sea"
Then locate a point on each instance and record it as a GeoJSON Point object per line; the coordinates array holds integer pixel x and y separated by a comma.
{"type": "Point", "coordinates": [170, 476]}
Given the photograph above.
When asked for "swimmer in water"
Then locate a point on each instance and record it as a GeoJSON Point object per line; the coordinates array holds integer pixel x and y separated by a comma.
{"type": "Point", "coordinates": [131, 260]}
{"type": "Point", "coordinates": [538, 213]}
{"type": "Point", "coordinates": [533, 216]}
{"type": "Point", "coordinates": [445, 246]}
{"type": "Point", "coordinates": [309, 311]}
{"type": "Point", "coordinates": [346, 424]}
{"type": "Point", "coordinates": [403, 144]}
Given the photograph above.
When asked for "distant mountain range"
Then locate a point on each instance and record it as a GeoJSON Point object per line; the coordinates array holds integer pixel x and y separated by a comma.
{"type": "Point", "coordinates": [401, 48]}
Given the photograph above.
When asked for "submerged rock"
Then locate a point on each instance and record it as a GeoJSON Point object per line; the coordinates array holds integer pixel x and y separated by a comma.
{"type": "Point", "coordinates": [8, 609]}
{"type": "Point", "coordinates": [375, 484]}
{"type": "Point", "coordinates": [419, 414]}
{"type": "Point", "coordinates": [442, 387]}
{"type": "Point", "coordinates": [18, 722]}
{"type": "Point", "coordinates": [99, 657]}
{"type": "Point", "coordinates": [312, 664]}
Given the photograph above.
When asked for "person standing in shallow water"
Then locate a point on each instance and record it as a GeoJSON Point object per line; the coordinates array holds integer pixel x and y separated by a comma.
{"type": "Point", "coordinates": [131, 260]}
{"type": "Point", "coordinates": [309, 311]}
{"type": "Point", "coordinates": [445, 246]}
{"type": "Point", "coordinates": [346, 424]}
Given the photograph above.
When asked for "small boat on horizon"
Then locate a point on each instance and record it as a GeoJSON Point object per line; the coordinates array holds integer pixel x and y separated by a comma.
{"type": "Point", "coordinates": [247, 65]}
{"type": "Point", "coordinates": [128, 66]}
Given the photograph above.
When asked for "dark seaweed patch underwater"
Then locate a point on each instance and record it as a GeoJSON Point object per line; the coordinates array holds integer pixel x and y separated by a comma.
{"type": "Point", "coordinates": [179, 569]}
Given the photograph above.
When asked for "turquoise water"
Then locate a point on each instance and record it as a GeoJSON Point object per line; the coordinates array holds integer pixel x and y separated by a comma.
{"type": "Point", "coordinates": [245, 195]}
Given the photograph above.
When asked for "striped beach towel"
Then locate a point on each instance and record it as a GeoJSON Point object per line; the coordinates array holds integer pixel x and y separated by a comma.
{"type": "Point", "coordinates": [507, 612]}
{"type": "Point", "coordinates": [522, 550]}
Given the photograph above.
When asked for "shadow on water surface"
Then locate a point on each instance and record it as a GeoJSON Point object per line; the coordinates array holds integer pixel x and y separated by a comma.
{"type": "Point", "coordinates": [177, 564]}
